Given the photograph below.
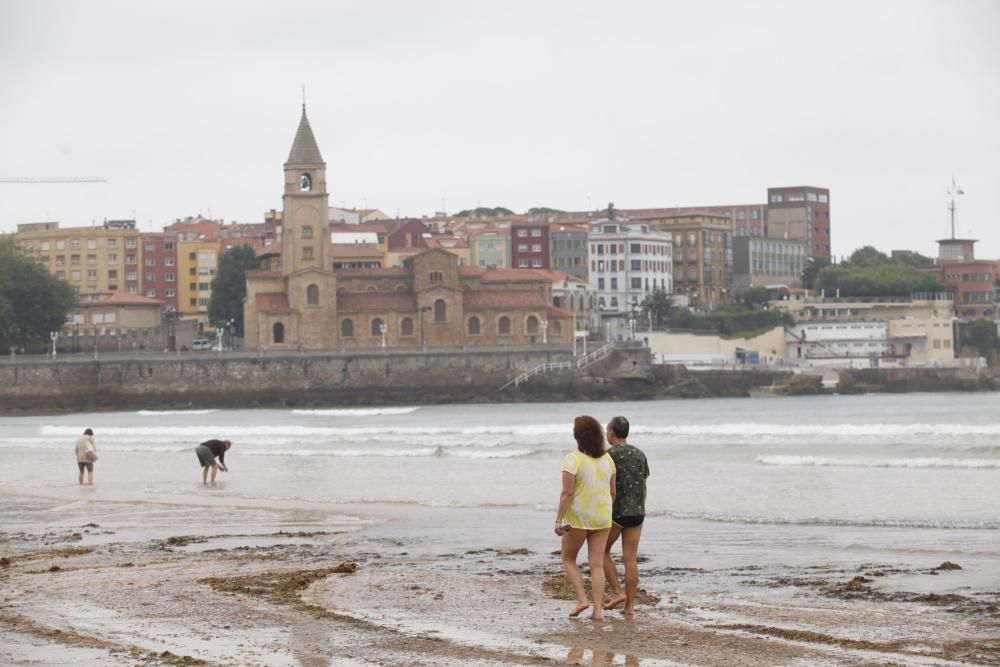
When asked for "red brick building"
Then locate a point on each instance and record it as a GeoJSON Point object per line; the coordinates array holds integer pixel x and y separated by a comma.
{"type": "Point", "coordinates": [801, 213]}
{"type": "Point", "coordinates": [160, 270]}
{"type": "Point", "coordinates": [529, 245]}
{"type": "Point", "coordinates": [974, 282]}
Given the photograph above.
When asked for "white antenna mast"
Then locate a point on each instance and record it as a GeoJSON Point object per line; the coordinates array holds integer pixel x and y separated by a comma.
{"type": "Point", "coordinates": [955, 189]}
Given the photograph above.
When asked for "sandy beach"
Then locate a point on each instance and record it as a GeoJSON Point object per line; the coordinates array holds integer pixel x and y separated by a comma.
{"type": "Point", "coordinates": [852, 531]}
{"type": "Point", "coordinates": [295, 589]}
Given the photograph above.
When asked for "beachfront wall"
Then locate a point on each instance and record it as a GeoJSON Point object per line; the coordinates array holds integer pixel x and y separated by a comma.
{"type": "Point", "coordinates": [691, 348]}
{"type": "Point", "coordinates": [234, 380]}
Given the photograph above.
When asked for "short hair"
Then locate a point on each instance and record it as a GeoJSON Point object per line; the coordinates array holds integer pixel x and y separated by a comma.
{"type": "Point", "coordinates": [227, 444]}
{"type": "Point", "coordinates": [88, 432]}
{"type": "Point", "coordinates": [620, 426]}
{"type": "Point", "coordinates": [589, 436]}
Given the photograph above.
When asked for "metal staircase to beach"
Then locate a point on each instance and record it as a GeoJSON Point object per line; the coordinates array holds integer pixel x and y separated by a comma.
{"type": "Point", "coordinates": [583, 362]}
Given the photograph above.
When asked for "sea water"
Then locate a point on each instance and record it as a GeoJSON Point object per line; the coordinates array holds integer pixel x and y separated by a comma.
{"type": "Point", "coordinates": [834, 480]}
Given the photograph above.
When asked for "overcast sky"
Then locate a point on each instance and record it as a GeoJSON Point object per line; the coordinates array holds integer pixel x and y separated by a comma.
{"type": "Point", "coordinates": [191, 107]}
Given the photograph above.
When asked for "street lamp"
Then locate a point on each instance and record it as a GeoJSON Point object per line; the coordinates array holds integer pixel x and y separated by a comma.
{"type": "Point", "coordinates": [171, 315]}
{"type": "Point", "coordinates": [545, 329]}
{"type": "Point", "coordinates": [382, 329]}
{"type": "Point", "coordinates": [54, 335]}
{"type": "Point", "coordinates": [421, 310]}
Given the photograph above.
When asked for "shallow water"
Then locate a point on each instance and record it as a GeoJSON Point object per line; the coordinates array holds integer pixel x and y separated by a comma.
{"type": "Point", "coordinates": [813, 481]}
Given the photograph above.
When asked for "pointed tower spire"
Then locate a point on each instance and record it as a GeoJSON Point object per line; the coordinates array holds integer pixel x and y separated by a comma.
{"type": "Point", "coordinates": [304, 148]}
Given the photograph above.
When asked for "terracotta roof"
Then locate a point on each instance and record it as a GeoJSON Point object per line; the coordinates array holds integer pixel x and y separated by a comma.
{"type": "Point", "coordinates": [125, 299]}
{"type": "Point", "coordinates": [511, 275]}
{"type": "Point", "coordinates": [557, 276]}
{"type": "Point", "coordinates": [355, 250]}
{"type": "Point", "coordinates": [385, 272]}
{"type": "Point", "coordinates": [272, 302]}
{"type": "Point", "coordinates": [490, 300]}
{"type": "Point", "coordinates": [375, 301]}
{"type": "Point", "coordinates": [471, 270]}
{"type": "Point", "coordinates": [260, 273]}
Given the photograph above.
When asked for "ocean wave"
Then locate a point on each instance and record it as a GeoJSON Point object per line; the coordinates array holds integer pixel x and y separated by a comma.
{"type": "Point", "coordinates": [751, 430]}
{"type": "Point", "coordinates": [831, 521]}
{"type": "Point", "coordinates": [489, 454]}
{"type": "Point", "coordinates": [916, 462]}
{"type": "Point", "coordinates": [157, 413]}
{"type": "Point", "coordinates": [354, 412]}
{"type": "Point", "coordinates": [347, 453]}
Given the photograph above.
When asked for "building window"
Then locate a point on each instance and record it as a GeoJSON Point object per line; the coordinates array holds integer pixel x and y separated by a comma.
{"type": "Point", "coordinates": [170, 293]}
{"type": "Point", "coordinates": [440, 311]}
{"type": "Point", "coordinates": [437, 276]}
{"type": "Point", "coordinates": [150, 261]}
{"type": "Point", "coordinates": [169, 277]}
{"type": "Point", "coordinates": [637, 283]}
{"type": "Point", "coordinates": [307, 252]}
{"type": "Point", "coordinates": [307, 232]}
{"type": "Point", "coordinates": [278, 333]}
{"type": "Point", "coordinates": [406, 326]}
{"type": "Point", "coordinates": [130, 259]}
{"type": "Point", "coordinates": [346, 328]}
{"type": "Point", "coordinates": [377, 325]}
{"type": "Point", "coordinates": [536, 232]}
{"type": "Point", "coordinates": [151, 293]}
{"type": "Point", "coordinates": [503, 326]}
{"type": "Point", "coordinates": [473, 326]}
{"type": "Point", "coordinates": [556, 327]}
{"type": "Point", "coordinates": [532, 325]}
{"type": "Point", "coordinates": [312, 295]}
{"type": "Point", "coordinates": [130, 275]}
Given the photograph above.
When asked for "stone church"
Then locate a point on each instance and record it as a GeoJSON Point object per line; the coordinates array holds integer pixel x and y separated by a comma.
{"type": "Point", "coordinates": [430, 301]}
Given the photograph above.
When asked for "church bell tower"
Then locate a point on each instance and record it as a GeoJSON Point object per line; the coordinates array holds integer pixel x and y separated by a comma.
{"type": "Point", "coordinates": [305, 227]}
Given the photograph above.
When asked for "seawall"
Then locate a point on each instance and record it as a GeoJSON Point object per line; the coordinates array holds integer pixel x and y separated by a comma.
{"type": "Point", "coordinates": [376, 378]}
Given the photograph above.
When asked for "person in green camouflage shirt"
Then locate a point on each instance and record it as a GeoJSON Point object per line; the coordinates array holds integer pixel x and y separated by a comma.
{"type": "Point", "coordinates": [627, 514]}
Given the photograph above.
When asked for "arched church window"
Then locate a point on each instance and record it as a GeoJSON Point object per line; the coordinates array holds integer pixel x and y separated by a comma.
{"type": "Point", "coordinates": [377, 325]}
{"type": "Point", "coordinates": [473, 326]}
{"type": "Point", "coordinates": [436, 276]}
{"type": "Point", "coordinates": [312, 295]}
{"type": "Point", "coordinates": [278, 333]}
{"type": "Point", "coordinates": [556, 327]}
{"type": "Point", "coordinates": [440, 311]}
{"type": "Point", "coordinates": [503, 325]}
{"type": "Point", "coordinates": [346, 328]}
{"type": "Point", "coordinates": [532, 325]}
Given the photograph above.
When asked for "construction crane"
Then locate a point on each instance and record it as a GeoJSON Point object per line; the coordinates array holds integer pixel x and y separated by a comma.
{"type": "Point", "coordinates": [54, 179]}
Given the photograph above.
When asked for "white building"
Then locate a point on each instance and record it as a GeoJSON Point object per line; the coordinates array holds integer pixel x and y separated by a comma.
{"type": "Point", "coordinates": [627, 262]}
{"type": "Point", "coordinates": [838, 343]}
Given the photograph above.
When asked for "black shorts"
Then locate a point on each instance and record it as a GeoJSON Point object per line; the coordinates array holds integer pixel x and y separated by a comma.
{"type": "Point", "coordinates": [205, 456]}
{"type": "Point", "coordinates": [85, 465]}
{"type": "Point", "coordinates": [628, 521]}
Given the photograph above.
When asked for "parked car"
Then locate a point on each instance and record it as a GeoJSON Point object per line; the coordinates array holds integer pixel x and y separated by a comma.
{"type": "Point", "coordinates": [201, 344]}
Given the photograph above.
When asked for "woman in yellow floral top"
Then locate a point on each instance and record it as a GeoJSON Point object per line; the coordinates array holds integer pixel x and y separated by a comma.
{"type": "Point", "coordinates": [588, 488]}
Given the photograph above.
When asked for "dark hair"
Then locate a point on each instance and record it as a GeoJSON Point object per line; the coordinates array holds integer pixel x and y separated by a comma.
{"type": "Point", "coordinates": [620, 426]}
{"type": "Point", "coordinates": [88, 432]}
{"type": "Point", "coordinates": [589, 436]}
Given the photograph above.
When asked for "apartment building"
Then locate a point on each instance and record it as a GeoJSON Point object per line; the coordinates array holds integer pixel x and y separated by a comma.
{"type": "Point", "coordinates": [627, 262]}
{"type": "Point", "coordinates": [98, 259]}
{"type": "Point", "coordinates": [568, 249]}
{"type": "Point", "coordinates": [160, 268]}
{"type": "Point", "coordinates": [801, 213]}
{"type": "Point", "coordinates": [198, 262]}
{"type": "Point", "coordinates": [702, 257]}
{"type": "Point", "coordinates": [529, 245]}
{"type": "Point", "coordinates": [759, 261]}
{"type": "Point", "coordinates": [490, 248]}
{"type": "Point", "coordinates": [975, 283]}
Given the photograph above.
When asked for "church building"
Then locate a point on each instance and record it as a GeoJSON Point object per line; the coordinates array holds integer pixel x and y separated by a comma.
{"type": "Point", "coordinates": [303, 303]}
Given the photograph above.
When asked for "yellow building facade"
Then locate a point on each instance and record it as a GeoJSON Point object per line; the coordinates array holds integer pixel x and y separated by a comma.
{"type": "Point", "coordinates": [198, 262]}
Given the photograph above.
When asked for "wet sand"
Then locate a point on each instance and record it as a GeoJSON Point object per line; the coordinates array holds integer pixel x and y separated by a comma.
{"type": "Point", "coordinates": [264, 587]}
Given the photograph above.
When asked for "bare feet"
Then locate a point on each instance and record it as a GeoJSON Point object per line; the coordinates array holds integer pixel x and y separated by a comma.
{"type": "Point", "coordinates": [597, 618]}
{"type": "Point", "coordinates": [615, 601]}
{"type": "Point", "coordinates": [629, 613]}
{"type": "Point", "coordinates": [580, 606]}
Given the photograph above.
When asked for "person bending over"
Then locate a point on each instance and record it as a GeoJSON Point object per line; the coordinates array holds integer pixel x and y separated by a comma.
{"type": "Point", "coordinates": [207, 452]}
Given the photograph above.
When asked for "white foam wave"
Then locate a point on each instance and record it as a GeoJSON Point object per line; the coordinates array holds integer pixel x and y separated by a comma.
{"type": "Point", "coordinates": [919, 462]}
{"type": "Point", "coordinates": [355, 412]}
{"type": "Point", "coordinates": [746, 430]}
{"type": "Point", "coordinates": [347, 453]}
{"type": "Point", "coordinates": [157, 413]}
{"type": "Point", "coordinates": [489, 454]}
{"type": "Point", "coordinates": [830, 521]}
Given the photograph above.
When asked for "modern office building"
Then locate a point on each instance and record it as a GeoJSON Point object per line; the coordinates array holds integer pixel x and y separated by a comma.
{"type": "Point", "coordinates": [760, 261]}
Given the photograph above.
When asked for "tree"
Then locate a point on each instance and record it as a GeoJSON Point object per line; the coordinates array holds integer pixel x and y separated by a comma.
{"type": "Point", "coordinates": [660, 304]}
{"type": "Point", "coordinates": [229, 286]}
{"type": "Point", "coordinates": [755, 296]}
{"type": "Point", "coordinates": [886, 280]}
{"type": "Point", "coordinates": [484, 212]}
{"type": "Point", "coordinates": [543, 210]}
{"type": "Point", "coordinates": [982, 334]}
{"type": "Point", "coordinates": [33, 302]}
{"type": "Point", "coordinates": [867, 256]}
{"type": "Point", "coordinates": [815, 265]}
